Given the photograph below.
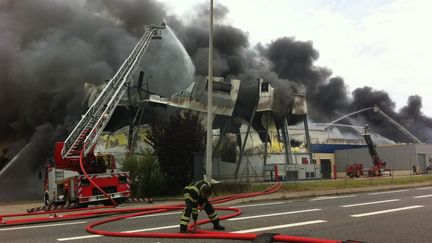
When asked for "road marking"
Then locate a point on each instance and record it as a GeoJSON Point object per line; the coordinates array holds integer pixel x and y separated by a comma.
{"type": "Point", "coordinates": [424, 188]}
{"type": "Point", "coordinates": [153, 215]}
{"type": "Point", "coordinates": [42, 226]}
{"type": "Point", "coordinates": [275, 214]}
{"type": "Point", "coordinates": [368, 203]}
{"type": "Point", "coordinates": [257, 205]}
{"type": "Point", "coordinates": [385, 211]}
{"type": "Point", "coordinates": [376, 193]}
{"type": "Point", "coordinates": [151, 229]}
{"type": "Point", "coordinates": [129, 231]}
{"type": "Point", "coordinates": [281, 226]}
{"type": "Point", "coordinates": [330, 197]}
{"type": "Point", "coordinates": [422, 196]}
{"type": "Point", "coordinates": [79, 237]}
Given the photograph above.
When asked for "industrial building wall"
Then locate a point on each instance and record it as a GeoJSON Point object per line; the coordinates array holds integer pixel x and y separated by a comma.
{"type": "Point", "coordinates": [252, 168]}
{"type": "Point", "coordinates": [424, 156]}
{"type": "Point", "coordinates": [399, 158]}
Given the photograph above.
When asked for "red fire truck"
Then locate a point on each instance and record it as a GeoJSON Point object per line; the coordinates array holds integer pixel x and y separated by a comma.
{"type": "Point", "coordinates": [379, 166]}
{"type": "Point", "coordinates": [67, 186]}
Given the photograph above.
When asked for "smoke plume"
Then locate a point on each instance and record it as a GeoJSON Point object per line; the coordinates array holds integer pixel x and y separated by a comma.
{"type": "Point", "coordinates": [51, 48]}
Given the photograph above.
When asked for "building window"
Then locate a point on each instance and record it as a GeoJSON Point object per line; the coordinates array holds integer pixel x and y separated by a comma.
{"type": "Point", "coordinates": [264, 87]}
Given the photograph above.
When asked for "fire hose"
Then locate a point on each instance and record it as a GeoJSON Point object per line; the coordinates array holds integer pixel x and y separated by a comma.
{"type": "Point", "coordinates": [134, 212]}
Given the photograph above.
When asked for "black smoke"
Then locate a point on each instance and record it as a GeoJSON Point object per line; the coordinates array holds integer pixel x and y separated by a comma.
{"type": "Point", "coordinates": [49, 49]}
{"type": "Point", "coordinates": [289, 64]}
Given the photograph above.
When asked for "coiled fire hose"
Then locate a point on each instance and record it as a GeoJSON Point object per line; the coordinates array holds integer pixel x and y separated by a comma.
{"type": "Point", "coordinates": [133, 212]}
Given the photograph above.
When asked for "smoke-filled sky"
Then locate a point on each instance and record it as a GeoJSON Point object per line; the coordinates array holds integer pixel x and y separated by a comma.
{"type": "Point", "coordinates": [346, 57]}
{"type": "Point", "coordinates": [383, 44]}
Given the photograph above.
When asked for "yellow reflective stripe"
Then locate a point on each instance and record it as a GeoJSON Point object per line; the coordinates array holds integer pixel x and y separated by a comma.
{"type": "Point", "coordinates": [195, 189]}
{"type": "Point", "coordinates": [193, 200]}
{"type": "Point", "coordinates": [212, 215]}
{"type": "Point", "coordinates": [184, 223]}
{"type": "Point", "coordinates": [185, 218]}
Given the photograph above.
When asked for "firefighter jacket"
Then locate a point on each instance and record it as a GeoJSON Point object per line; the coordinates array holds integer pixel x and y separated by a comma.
{"type": "Point", "coordinates": [193, 197]}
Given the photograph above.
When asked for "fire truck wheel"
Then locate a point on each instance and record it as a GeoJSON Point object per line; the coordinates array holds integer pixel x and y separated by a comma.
{"type": "Point", "coordinates": [107, 203]}
{"type": "Point", "coordinates": [83, 205]}
{"type": "Point", "coordinates": [46, 199]}
{"type": "Point", "coordinates": [67, 198]}
{"type": "Point", "coordinates": [120, 200]}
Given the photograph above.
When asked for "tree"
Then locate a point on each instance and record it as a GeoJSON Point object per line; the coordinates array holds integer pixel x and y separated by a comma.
{"type": "Point", "coordinates": [146, 176]}
{"type": "Point", "coordinates": [174, 144]}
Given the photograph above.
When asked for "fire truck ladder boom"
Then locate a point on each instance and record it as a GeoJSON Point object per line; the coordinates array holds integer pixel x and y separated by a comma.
{"type": "Point", "coordinates": [92, 123]}
{"type": "Point", "coordinates": [399, 126]}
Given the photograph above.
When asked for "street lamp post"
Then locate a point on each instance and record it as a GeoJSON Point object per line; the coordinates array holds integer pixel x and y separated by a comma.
{"type": "Point", "coordinates": [209, 147]}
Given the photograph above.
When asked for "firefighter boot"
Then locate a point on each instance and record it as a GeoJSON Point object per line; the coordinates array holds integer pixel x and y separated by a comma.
{"type": "Point", "coordinates": [217, 225]}
{"type": "Point", "coordinates": [183, 228]}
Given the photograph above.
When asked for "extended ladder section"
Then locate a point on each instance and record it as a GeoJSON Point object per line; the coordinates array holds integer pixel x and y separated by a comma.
{"type": "Point", "coordinates": [371, 146]}
{"type": "Point", "coordinates": [91, 125]}
{"type": "Point", "coordinates": [399, 126]}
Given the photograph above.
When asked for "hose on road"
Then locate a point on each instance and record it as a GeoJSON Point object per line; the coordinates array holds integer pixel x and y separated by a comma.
{"type": "Point", "coordinates": [134, 212]}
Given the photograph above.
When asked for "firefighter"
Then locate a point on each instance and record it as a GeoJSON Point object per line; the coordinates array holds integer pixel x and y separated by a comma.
{"type": "Point", "coordinates": [196, 195]}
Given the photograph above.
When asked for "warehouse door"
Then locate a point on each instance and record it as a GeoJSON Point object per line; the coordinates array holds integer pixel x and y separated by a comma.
{"type": "Point", "coordinates": [325, 168]}
{"type": "Point", "coordinates": [421, 159]}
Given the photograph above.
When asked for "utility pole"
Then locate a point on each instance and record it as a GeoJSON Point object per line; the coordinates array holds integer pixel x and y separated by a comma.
{"type": "Point", "coordinates": [209, 147]}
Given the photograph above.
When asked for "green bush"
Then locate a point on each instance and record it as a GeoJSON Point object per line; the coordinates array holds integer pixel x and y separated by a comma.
{"type": "Point", "coordinates": [146, 176]}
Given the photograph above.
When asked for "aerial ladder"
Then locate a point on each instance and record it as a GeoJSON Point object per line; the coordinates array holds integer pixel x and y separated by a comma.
{"type": "Point", "coordinates": [82, 140]}
{"type": "Point", "coordinates": [378, 110]}
{"type": "Point", "coordinates": [378, 167]}
{"type": "Point", "coordinates": [399, 126]}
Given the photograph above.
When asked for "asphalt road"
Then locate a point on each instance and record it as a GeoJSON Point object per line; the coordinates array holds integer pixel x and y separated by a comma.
{"type": "Point", "coordinates": [402, 215]}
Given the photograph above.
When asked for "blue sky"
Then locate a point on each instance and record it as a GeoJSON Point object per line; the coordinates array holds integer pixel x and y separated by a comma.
{"type": "Point", "coordinates": [383, 44]}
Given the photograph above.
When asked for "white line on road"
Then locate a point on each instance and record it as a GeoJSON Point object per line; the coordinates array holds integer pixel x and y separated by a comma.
{"type": "Point", "coordinates": [153, 215]}
{"type": "Point", "coordinates": [275, 214]}
{"type": "Point", "coordinates": [151, 229]}
{"type": "Point", "coordinates": [369, 203]}
{"type": "Point", "coordinates": [422, 196]}
{"type": "Point", "coordinates": [129, 231]}
{"type": "Point", "coordinates": [42, 226]}
{"type": "Point", "coordinates": [240, 206]}
{"type": "Point", "coordinates": [376, 193]}
{"type": "Point", "coordinates": [330, 197]}
{"type": "Point", "coordinates": [174, 226]}
{"type": "Point", "coordinates": [257, 205]}
{"type": "Point", "coordinates": [385, 211]}
{"type": "Point", "coordinates": [79, 237]}
{"type": "Point", "coordinates": [424, 188]}
{"type": "Point", "coordinates": [281, 226]}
